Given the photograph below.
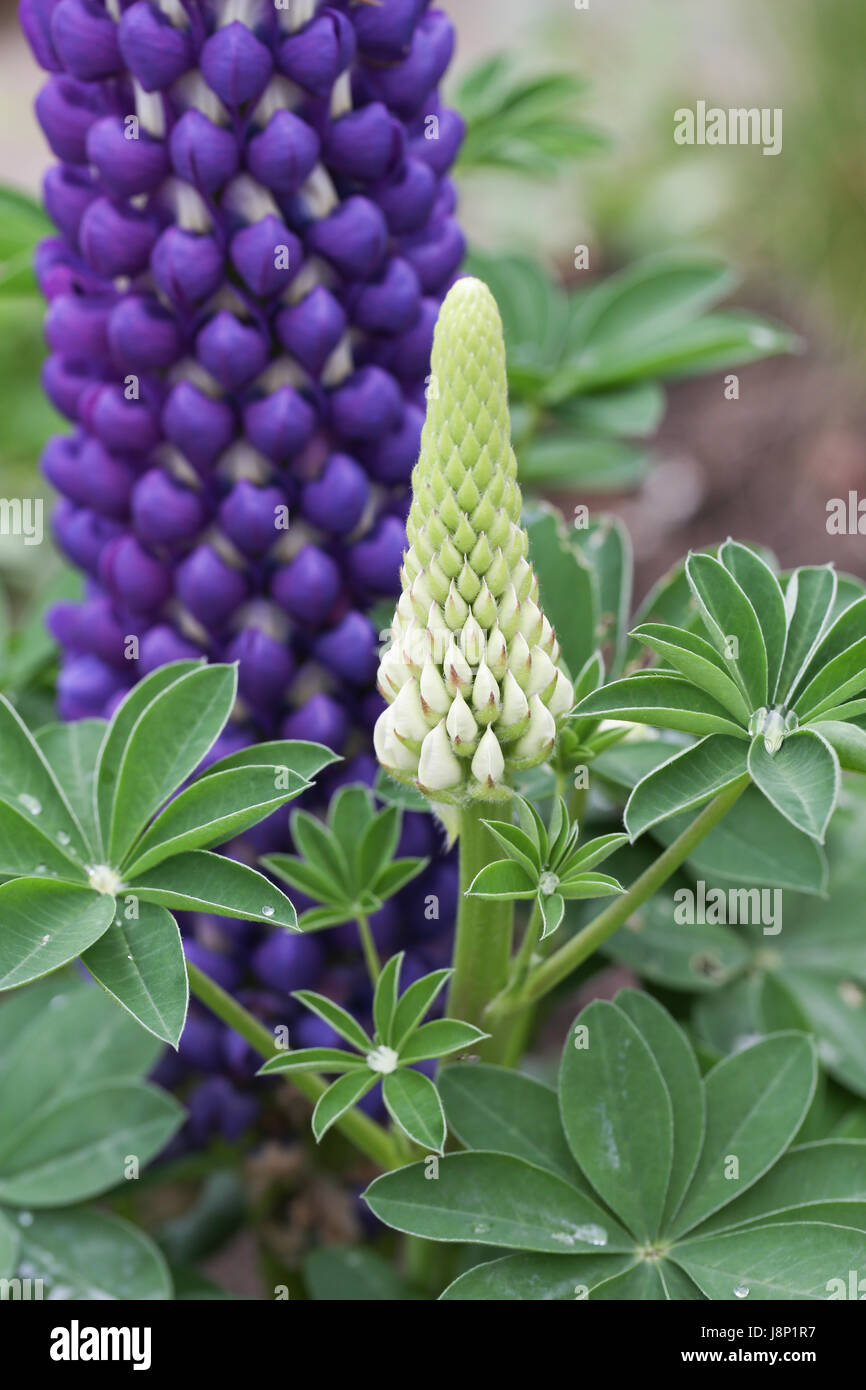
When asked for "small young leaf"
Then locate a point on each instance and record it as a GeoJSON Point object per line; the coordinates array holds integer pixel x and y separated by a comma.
{"type": "Point", "coordinates": [438, 1039]}
{"type": "Point", "coordinates": [413, 1103]}
{"type": "Point", "coordinates": [732, 624]}
{"type": "Point", "coordinates": [809, 600]}
{"type": "Point", "coordinates": [327, 1059]}
{"type": "Point", "coordinates": [306, 877]}
{"type": "Point", "coordinates": [396, 875]}
{"type": "Point", "coordinates": [385, 997]}
{"type": "Point", "coordinates": [584, 885]}
{"type": "Point", "coordinates": [339, 1018]}
{"type": "Point", "coordinates": [517, 845]}
{"type": "Point", "coordinates": [698, 662]}
{"type": "Point", "coordinates": [593, 852]}
{"type": "Point", "coordinates": [199, 881]}
{"type": "Point", "coordinates": [503, 879]}
{"type": "Point", "coordinates": [376, 845]}
{"type": "Point", "coordinates": [552, 912]}
{"type": "Point", "coordinates": [801, 780]}
{"type": "Point", "coordinates": [322, 850]}
{"type": "Point", "coordinates": [340, 1097]}
{"type": "Point", "coordinates": [414, 1004]}
{"type": "Point", "coordinates": [685, 781]}
{"type": "Point", "coordinates": [764, 592]}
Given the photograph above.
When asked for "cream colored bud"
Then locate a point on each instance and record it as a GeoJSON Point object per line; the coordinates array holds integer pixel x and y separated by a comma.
{"type": "Point", "coordinates": [456, 609]}
{"type": "Point", "coordinates": [531, 621]}
{"type": "Point", "coordinates": [488, 764]}
{"type": "Point", "coordinates": [515, 706]}
{"type": "Point", "coordinates": [485, 694]}
{"type": "Point", "coordinates": [472, 643]}
{"type": "Point", "coordinates": [408, 720]}
{"type": "Point", "coordinates": [543, 673]}
{"type": "Point", "coordinates": [461, 726]}
{"type": "Point", "coordinates": [393, 672]}
{"type": "Point", "coordinates": [540, 732]}
{"type": "Point", "coordinates": [457, 671]}
{"type": "Point", "coordinates": [484, 607]}
{"type": "Point", "coordinates": [438, 768]}
{"type": "Point", "coordinates": [562, 699]}
{"type": "Point", "coordinates": [496, 653]}
{"type": "Point", "coordinates": [389, 750]}
{"type": "Point", "coordinates": [509, 612]}
{"type": "Point", "coordinates": [520, 660]}
{"type": "Point", "coordinates": [434, 697]}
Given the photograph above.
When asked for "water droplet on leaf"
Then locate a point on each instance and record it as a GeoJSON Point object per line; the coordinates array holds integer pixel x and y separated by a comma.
{"type": "Point", "coordinates": [741, 1291]}
{"type": "Point", "coordinates": [267, 912]}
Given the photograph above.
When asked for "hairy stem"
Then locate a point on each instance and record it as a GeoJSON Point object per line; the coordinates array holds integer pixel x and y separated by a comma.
{"type": "Point", "coordinates": [368, 945]}
{"type": "Point", "coordinates": [545, 976]}
{"type": "Point", "coordinates": [482, 946]}
{"type": "Point", "coordinates": [365, 1134]}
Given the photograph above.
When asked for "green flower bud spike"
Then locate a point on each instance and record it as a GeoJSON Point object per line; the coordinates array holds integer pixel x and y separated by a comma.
{"type": "Point", "coordinates": [472, 674]}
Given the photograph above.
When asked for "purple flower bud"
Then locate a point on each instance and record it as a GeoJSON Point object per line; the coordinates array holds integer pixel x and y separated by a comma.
{"type": "Point", "coordinates": [128, 166]}
{"type": "Point", "coordinates": [232, 351]}
{"type": "Point", "coordinates": [92, 477]}
{"type": "Point", "coordinates": [248, 516]}
{"type": "Point", "coordinates": [353, 238]}
{"type": "Point", "coordinates": [65, 380]}
{"type": "Point", "coordinates": [130, 425]}
{"type": "Point", "coordinates": [321, 720]}
{"type": "Point", "coordinates": [133, 577]}
{"type": "Point", "coordinates": [155, 52]}
{"type": "Point", "coordinates": [266, 255]}
{"type": "Point", "coordinates": [335, 501]}
{"type": "Point", "coordinates": [235, 65]}
{"type": "Point", "coordinates": [391, 458]}
{"type": "Point", "coordinates": [286, 961]}
{"type": "Point", "coordinates": [187, 266]}
{"type": "Point", "coordinates": [439, 32]}
{"type": "Point", "coordinates": [201, 427]}
{"type": "Point", "coordinates": [367, 405]}
{"type": "Point", "coordinates": [85, 39]}
{"type": "Point", "coordinates": [407, 354]}
{"type": "Point", "coordinates": [283, 154]}
{"type": "Point", "coordinates": [161, 645]}
{"type": "Point", "coordinates": [266, 668]}
{"type": "Point", "coordinates": [101, 634]}
{"type": "Point", "coordinates": [436, 255]}
{"type": "Point", "coordinates": [35, 17]}
{"type": "Point", "coordinates": [208, 587]}
{"type": "Point", "coordinates": [349, 649]}
{"type": "Point", "coordinates": [202, 153]}
{"type": "Point", "coordinates": [309, 586]}
{"type": "Point", "coordinates": [389, 304]}
{"type": "Point", "coordinates": [81, 535]}
{"type": "Point", "coordinates": [439, 150]}
{"type": "Point", "coordinates": [312, 328]}
{"type": "Point", "coordinates": [68, 192]}
{"type": "Point", "coordinates": [364, 144]}
{"type": "Point", "coordinates": [407, 197]}
{"type": "Point", "coordinates": [281, 424]}
{"type": "Point", "coordinates": [405, 86]}
{"type": "Point", "coordinates": [143, 334]}
{"type": "Point", "coordinates": [66, 110]}
{"type": "Point", "coordinates": [316, 55]}
{"type": "Point", "coordinates": [84, 685]}
{"type": "Point", "coordinates": [385, 30]}
{"type": "Point", "coordinates": [374, 562]}
{"type": "Point", "coordinates": [115, 239]}
{"type": "Point", "coordinates": [163, 511]}
{"type": "Point", "coordinates": [74, 322]}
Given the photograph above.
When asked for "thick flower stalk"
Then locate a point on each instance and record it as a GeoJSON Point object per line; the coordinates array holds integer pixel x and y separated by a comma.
{"type": "Point", "coordinates": [255, 230]}
{"type": "Point", "coordinates": [472, 673]}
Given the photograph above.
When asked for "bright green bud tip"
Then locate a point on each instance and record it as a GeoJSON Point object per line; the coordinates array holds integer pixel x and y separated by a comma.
{"type": "Point", "coordinates": [472, 675]}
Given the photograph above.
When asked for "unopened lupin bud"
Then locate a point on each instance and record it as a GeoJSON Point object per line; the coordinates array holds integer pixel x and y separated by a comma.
{"type": "Point", "coordinates": [494, 686]}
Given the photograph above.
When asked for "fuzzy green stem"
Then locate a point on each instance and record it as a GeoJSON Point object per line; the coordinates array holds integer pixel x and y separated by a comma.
{"type": "Point", "coordinates": [558, 966]}
{"type": "Point", "coordinates": [364, 1133]}
{"type": "Point", "coordinates": [368, 945]}
{"type": "Point", "coordinates": [482, 946]}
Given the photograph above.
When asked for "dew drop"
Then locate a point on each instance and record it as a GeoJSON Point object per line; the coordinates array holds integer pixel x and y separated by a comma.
{"type": "Point", "coordinates": [480, 1228]}
{"type": "Point", "coordinates": [62, 837]}
{"type": "Point", "coordinates": [30, 803]}
{"type": "Point", "coordinates": [593, 1235]}
{"type": "Point", "coordinates": [741, 1291]}
{"type": "Point", "coordinates": [40, 869]}
{"type": "Point", "coordinates": [267, 912]}
{"type": "Point", "coordinates": [46, 939]}
{"type": "Point", "coordinates": [25, 1218]}
{"type": "Point", "coordinates": [129, 957]}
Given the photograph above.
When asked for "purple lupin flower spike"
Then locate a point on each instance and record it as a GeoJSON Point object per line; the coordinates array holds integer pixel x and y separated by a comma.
{"type": "Point", "coordinates": [255, 232]}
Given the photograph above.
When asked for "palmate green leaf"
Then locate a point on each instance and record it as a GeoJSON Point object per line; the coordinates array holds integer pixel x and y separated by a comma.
{"type": "Point", "coordinates": [781, 1261]}
{"type": "Point", "coordinates": [88, 1255]}
{"type": "Point", "coordinates": [414, 1004]}
{"type": "Point", "coordinates": [212, 810]}
{"type": "Point", "coordinates": [670, 702]}
{"type": "Point", "coordinates": [327, 1059]}
{"type": "Point", "coordinates": [345, 1092]}
{"type": "Point", "coordinates": [9, 1244]}
{"type": "Point", "coordinates": [586, 856]}
{"type": "Point", "coordinates": [350, 813]}
{"type": "Point", "coordinates": [396, 875]}
{"type": "Point", "coordinates": [808, 1176]}
{"type": "Point", "coordinates": [27, 783]}
{"type": "Point", "coordinates": [617, 1116]}
{"type": "Point", "coordinates": [517, 845]}
{"type": "Point", "coordinates": [140, 962]}
{"type": "Point", "coordinates": [676, 1060]}
{"type": "Point", "coordinates": [77, 1147]}
{"type": "Point", "coordinates": [303, 759]}
{"type": "Point", "coordinates": [552, 907]}
{"type": "Point", "coordinates": [167, 742]}
{"type": "Point", "coordinates": [71, 751]}
{"type": "Point", "coordinates": [339, 1018]}
{"type": "Point", "coordinates": [494, 1199]}
{"type": "Point", "coordinates": [685, 781]}
{"type": "Point", "coordinates": [27, 850]}
{"type": "Point", "coordinates": [728, 615]}
{"type": "Point", "coordinates": [642, 1283]}
{"type": "Point", "coordinates": [375, 848]}
{"type": "Point", "coordinates": [699, 662]}
{"type": "Point", "coordinates": [764, 592]}
{"type": "Point", "coordinates": [809, 598]}
{"type": "Point", "coordinates": [199, 881]}
{"type": "Point", "coordinates": [841, 678]}
{"type": "Point", "coordinates": [756, 1102]}
{"type": "Point", "coordinates": [583, 885]}
{"type": "Point", "coordinates": [438, 1039]}
{"type": "Point", "coordinates": [385, 996]}
{"type": "Point", "coordinates": [504, 879]}
{"type": "Point", "coordinates": [301, 874]}
{"type": "Point", "coordinates": [322, 850]}
{"type": "Point", "coordinates": [505, 1112]}
{"type": "Point", "coordinates": [536, 1278]}
{"type": "Point", "coordinates": [413, 1103]}
{"type": "Point", "coordinates": [44, 924]}
{"type": "Point", "coordinates": [118, 732]}
{"type": "Point", "coordinates": [801, 780]}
